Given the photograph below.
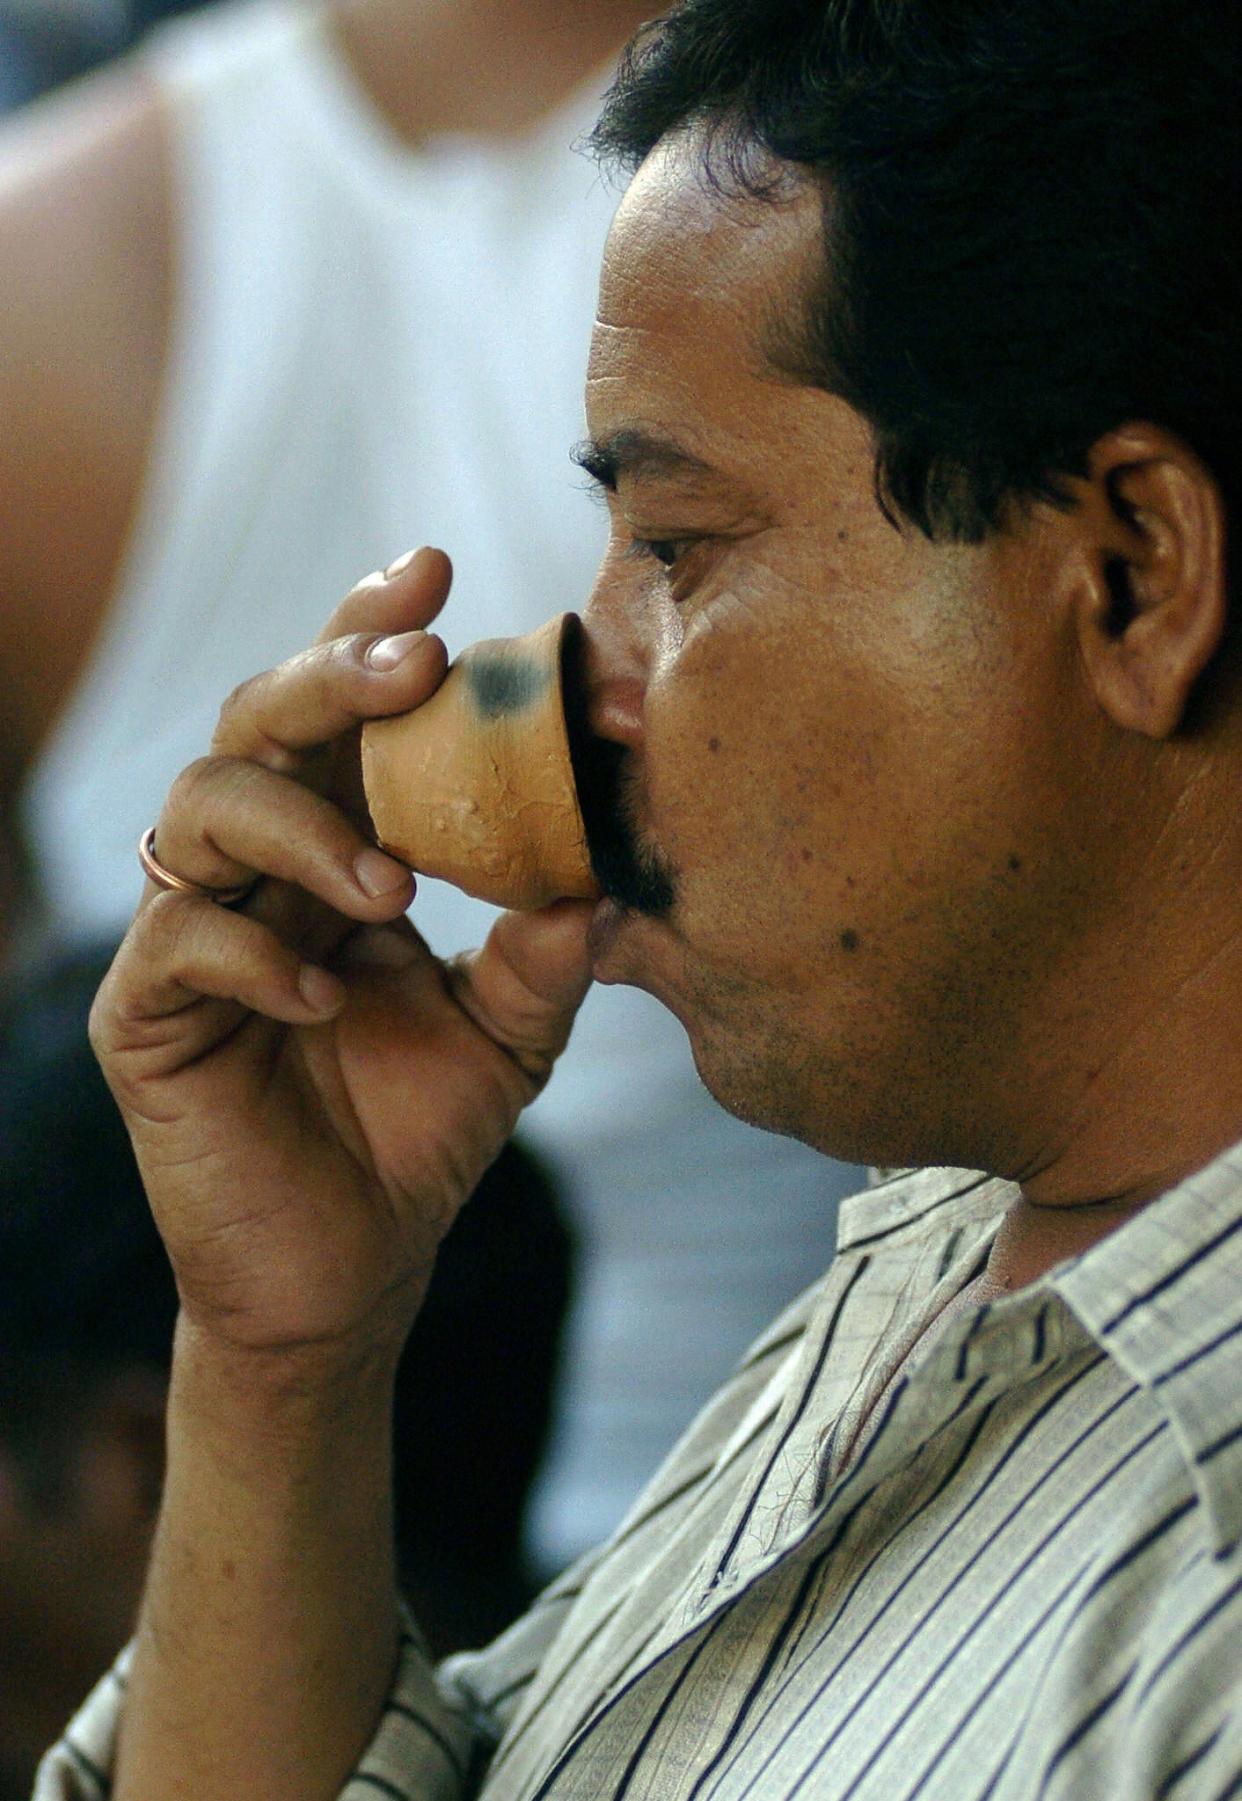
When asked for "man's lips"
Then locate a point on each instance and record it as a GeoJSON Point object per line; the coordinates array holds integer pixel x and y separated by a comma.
{"type": "Point", "coordinates": [606, 923]}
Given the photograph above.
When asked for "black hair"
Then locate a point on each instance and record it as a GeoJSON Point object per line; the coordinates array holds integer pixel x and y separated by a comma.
{"type": "Point", "coordinates": [1030, 216]}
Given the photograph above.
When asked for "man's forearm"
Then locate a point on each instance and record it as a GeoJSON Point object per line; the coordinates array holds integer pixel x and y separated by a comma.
{"type": "Point", "coordinates": [268, 1631]}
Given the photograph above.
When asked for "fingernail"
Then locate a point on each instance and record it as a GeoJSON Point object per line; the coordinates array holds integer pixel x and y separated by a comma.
{"type": "Point", "coordinates": [386, 653]}
{"type": "Point", "coordinates": [378, 874]}
{"type": "Point", "coordinates": [321, 991]}
{"type": "Point", "coordinates": [400, 566]}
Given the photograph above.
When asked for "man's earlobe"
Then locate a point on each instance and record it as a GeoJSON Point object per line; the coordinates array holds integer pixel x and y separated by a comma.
{"type": "Point", "coordinates": [1153, 600]}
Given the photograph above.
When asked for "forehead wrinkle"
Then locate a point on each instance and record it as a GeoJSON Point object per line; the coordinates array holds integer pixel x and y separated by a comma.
{"type": "Point", "coordinates": [763, 326]}
{"type": "Point", "coordinates": [679, 238]}
{"type": "Point", "coordinates": [755, 319]}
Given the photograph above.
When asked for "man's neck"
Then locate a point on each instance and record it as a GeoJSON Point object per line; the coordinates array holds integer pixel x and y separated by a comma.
{"type": "Point", "coordinates": [1164, 1103]}
{"type": "Point", "coordinates": [493, 68]}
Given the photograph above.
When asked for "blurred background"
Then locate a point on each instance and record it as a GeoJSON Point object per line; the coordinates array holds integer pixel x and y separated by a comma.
{"type": "Point", "coordinates": [46, 42]}
{"type": "Point", "coordinates": [285, 290]}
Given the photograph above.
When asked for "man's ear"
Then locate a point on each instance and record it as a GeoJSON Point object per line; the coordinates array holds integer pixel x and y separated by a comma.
{"type": "Point", "coordinates": [1152, 602]}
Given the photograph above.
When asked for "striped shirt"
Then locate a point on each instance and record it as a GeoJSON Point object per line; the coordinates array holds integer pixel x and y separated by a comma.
{"type": "Point", "coordinates": [1023, 1579]}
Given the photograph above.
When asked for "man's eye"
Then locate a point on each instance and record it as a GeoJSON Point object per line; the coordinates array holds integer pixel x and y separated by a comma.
{"type": "Point", "coordinates": [665, 551]}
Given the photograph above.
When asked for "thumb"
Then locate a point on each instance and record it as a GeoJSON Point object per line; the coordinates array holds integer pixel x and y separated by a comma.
{"type": "Point", "coordinates": [524, 987]}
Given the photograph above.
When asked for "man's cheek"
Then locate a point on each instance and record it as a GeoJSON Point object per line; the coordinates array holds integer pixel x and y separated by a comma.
{"type": "Point", "coordinates": [699, 792]}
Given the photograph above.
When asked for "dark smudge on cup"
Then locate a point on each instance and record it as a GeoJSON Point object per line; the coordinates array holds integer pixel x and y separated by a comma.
{"type": "Point", "coordinates": [500, 685]}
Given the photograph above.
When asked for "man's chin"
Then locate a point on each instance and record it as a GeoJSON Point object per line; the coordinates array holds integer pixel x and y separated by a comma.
{"type": "Point", "coordinates": [636, 950]}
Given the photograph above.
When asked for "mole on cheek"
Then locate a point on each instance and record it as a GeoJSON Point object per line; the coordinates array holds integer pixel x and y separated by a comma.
{"type": "Point", "coordinates": [1015, 863]}
{"type": "Point", "coordinates": [849, 940]}
{"type": "Point", "coordinates": [713, 744]}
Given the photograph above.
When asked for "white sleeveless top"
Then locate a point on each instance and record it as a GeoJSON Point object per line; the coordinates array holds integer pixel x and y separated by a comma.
{"type": "Point", "coordinates": [376, 348]}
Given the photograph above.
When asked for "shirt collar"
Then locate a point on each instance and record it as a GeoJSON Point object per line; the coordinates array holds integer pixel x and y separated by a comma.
{"type": "Point", "coordinates": [1163, 1296]}
{"type": "Point", "coordinates": [919, 1204]}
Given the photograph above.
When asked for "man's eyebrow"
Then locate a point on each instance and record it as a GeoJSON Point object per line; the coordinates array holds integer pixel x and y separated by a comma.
{"type": "Point", "coordinates": [635, 452]}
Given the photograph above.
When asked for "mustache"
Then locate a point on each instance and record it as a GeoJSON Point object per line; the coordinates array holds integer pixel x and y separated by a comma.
{"type": "Point", "coordinates": [630, 872]}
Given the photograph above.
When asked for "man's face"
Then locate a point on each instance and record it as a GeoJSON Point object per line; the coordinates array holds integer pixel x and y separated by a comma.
{"type": "Point", "coordinates": [849, 760]}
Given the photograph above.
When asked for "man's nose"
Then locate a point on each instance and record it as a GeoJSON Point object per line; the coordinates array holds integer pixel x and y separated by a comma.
{"type": "Point", "coordinates": [615, 667]}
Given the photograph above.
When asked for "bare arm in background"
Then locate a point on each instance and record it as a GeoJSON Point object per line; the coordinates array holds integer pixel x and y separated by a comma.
{"type": "Point", "coordinates": [84, 296]}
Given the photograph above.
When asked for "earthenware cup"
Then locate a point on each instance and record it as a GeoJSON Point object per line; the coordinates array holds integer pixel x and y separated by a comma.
{"type": "Point", "coordinates": [477, 785]}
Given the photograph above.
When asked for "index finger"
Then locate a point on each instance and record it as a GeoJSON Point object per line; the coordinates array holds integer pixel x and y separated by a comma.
{"type": "Point", "coordinates": [325, 692]}
{"type": "Point", "coordinates": [302, 703]}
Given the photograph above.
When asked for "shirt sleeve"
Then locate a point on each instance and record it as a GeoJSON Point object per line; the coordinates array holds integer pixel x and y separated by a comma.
{"type": "Point", "coordinates": [434, 1740]}
{"type": "Point", "coordinates": [422, 1749]}
{"type": "Point", "coordinates": [79, 1765]}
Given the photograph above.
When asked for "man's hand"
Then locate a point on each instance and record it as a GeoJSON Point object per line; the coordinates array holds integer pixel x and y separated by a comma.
{"type": "Point", "coordinates": [312, 1097]}
{"type": "Point", "coordinates": [311, 1094]}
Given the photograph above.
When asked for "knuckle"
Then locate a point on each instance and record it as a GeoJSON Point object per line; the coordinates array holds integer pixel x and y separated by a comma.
{"type": "Point", "coordinates": [192, 785]}
{"type": "Point", "coordinates": [240, 702]}
{"type": "Point", "coordinates": [332, 673]}
{"type": "Point", "coordinates": [366, 584]}
{"type": "Point", "coordinates": [189, 940]}
{"type": "Point", "coordinates": [241, 730]}
{"type": "Point", "coordinates": [163, 938]}
{"type": "Point", "coordinates": [206, 792]}
{"type": "Point", "coordinates": [202, 797]}
{"type": "Point", "coordinates": [99, 1027]}
{"type": "Point", "coordinates": [158, 934]}
{"type": "Point", "coordinates": [349, 654]}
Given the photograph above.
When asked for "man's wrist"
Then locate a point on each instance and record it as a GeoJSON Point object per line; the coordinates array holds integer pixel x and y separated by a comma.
{"type": "Point", "coordinates": [274, 1556]}
{"type": "Point", "coordinates": [301, 1402]}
